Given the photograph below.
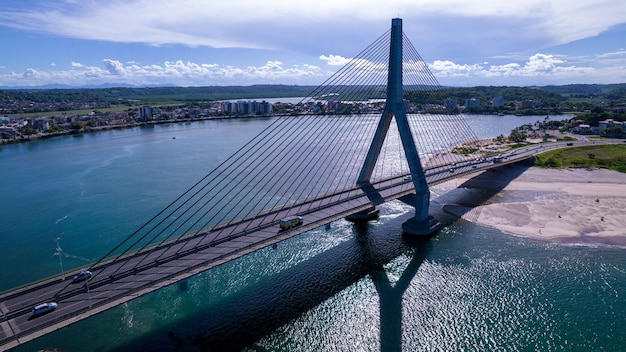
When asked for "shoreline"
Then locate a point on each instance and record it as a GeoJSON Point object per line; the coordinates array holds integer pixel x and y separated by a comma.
{"type": "Point", "coordinates": [572, 206]}
{"type": "Point", "coordinates": [87, 130]}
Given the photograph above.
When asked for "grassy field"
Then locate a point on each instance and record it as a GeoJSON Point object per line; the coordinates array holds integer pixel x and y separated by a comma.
{"type": "Point", "coordinates": [612, 157]}
{"type": "Point", "coordinates": [116, 108]}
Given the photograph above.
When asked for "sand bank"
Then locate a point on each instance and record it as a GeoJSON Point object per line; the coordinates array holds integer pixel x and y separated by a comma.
{"type": "Point", "coordinates": [575, 206]}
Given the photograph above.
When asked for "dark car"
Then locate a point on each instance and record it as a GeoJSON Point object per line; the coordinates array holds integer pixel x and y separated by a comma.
{"type": "Point", "coordinates": [82, 276]}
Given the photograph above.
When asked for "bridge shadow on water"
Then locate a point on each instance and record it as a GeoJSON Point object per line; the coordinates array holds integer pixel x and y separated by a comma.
{"type": "Point", "coordinates": [259, 309]}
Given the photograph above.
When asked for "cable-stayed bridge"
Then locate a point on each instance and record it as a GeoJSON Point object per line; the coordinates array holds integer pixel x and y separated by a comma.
{"type": "Point", "coordinates": [377, 130]}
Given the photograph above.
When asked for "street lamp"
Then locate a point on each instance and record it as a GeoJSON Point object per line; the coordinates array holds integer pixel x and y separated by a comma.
{"type": "Point", "coordinates": [59, 252]}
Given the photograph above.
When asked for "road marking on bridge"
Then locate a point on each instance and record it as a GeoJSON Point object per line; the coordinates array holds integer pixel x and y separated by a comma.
{"type": "Point", "coordinates": [6, 329]}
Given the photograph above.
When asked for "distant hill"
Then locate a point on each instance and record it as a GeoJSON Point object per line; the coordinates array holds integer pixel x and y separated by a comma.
{"type": "Point", "coordinates": [585, 89]}
{"type": "Point", "coordinates": [65, 86]}
{"type": "Point", "coordinates": [187, 94]}
{"type": "Point", "coordinates": [154, 94]}
{"type": "Point", "coordinates": [547, 98]}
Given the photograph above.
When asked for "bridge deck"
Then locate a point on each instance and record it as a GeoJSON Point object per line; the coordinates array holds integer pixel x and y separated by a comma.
{"type": "Point", "coordinates": [117, 282]}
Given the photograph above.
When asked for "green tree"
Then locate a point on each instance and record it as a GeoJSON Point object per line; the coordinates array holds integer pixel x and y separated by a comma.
{"type": "Point", "coordinates": [76, 126]}
{"type": "Point", "coordinates": [613, 131]}
{"type": "Point", "coordinates": [517, 136]}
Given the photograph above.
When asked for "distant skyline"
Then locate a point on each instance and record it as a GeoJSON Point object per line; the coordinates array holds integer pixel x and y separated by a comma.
{"type": "Point", "coordinates": [245, 42]}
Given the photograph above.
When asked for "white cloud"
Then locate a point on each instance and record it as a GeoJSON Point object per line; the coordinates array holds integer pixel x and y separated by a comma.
{"type": "Point", "coordinates": [549, 69]}
{"type": "Point", "coordinates": [461, 34]}
{"type": "Point", "coordinates": [619, 53]}
{"type": "Point", "coordinates": [114, 67]}
{"type": "Point", "coordinates": [545, 68]}
{"type": "Point", "coordinates": [235, 24]}
{"type": "Point", "coordinates": [184, 73]}
{"type": "Point", "coordinates": [334, 60]}
{"type": "Point", "coordinates": [31, 73]}
{"type": "Point", "coordinates": [542, 63]}
{"type": "Point", "coordinates": [446, 68]}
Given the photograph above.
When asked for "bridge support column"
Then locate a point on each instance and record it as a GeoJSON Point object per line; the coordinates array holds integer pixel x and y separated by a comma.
{"type": "Point", "coordinates": [364, 215]}
{"type": "Point", "coordinates": [421, 228]}
{"type": "Point", "coordinates": [421, 224]}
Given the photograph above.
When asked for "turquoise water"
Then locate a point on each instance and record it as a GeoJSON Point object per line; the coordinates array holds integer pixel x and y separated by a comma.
{"type": "Point", "coordinates": [350, 288]}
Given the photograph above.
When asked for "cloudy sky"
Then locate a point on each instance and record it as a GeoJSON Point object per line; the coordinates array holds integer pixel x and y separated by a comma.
{"type": "Point", "coordinates": [243, 42]}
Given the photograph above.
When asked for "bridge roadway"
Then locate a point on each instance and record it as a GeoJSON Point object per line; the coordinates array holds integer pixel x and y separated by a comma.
{"type": "Point", "coordinates": [122, 280]}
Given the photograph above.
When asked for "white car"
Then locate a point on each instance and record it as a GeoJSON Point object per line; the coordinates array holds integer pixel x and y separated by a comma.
{"type": "Point", "coordinates": [44, 308]}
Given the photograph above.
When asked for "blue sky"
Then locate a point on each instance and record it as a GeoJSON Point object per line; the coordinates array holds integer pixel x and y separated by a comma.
{"type": "Point", "coordinates": [243, 42]}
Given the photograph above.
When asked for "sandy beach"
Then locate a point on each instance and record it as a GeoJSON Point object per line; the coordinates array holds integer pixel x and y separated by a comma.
{"type": "Point", "coordinates": [574, 206]}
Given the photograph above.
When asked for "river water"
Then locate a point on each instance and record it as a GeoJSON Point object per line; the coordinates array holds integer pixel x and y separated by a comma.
{"type": "Point", "coordinates": [344, 289]}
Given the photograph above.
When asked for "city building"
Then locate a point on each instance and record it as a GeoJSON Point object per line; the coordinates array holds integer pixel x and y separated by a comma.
{"type": "Point", "coordinates": [471, 102]}
{"type": "Point", "coordinates": [497, 102]}
{"type": "Point", "coordinates": [145, 113]}
{"type": "Point", "coordinates": [451, 104]}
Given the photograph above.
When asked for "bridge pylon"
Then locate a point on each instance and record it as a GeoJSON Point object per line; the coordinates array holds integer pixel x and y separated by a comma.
{"type": "Point", "coordinates": [421, 223]}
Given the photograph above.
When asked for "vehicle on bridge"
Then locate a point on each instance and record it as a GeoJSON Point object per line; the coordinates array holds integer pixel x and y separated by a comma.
{"type": "Point", "coordinates": [290, 222]}
{"type": "Point", "coordinates": [44, 308]}
{"type": "Point", "coordinates": [81, 276]}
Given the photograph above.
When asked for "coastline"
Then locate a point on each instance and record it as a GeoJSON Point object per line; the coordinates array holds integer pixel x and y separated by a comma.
{"type": "Point", "coordinates": [573, 206]}
{"type": "Point", "coordinates": [86, 130]}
